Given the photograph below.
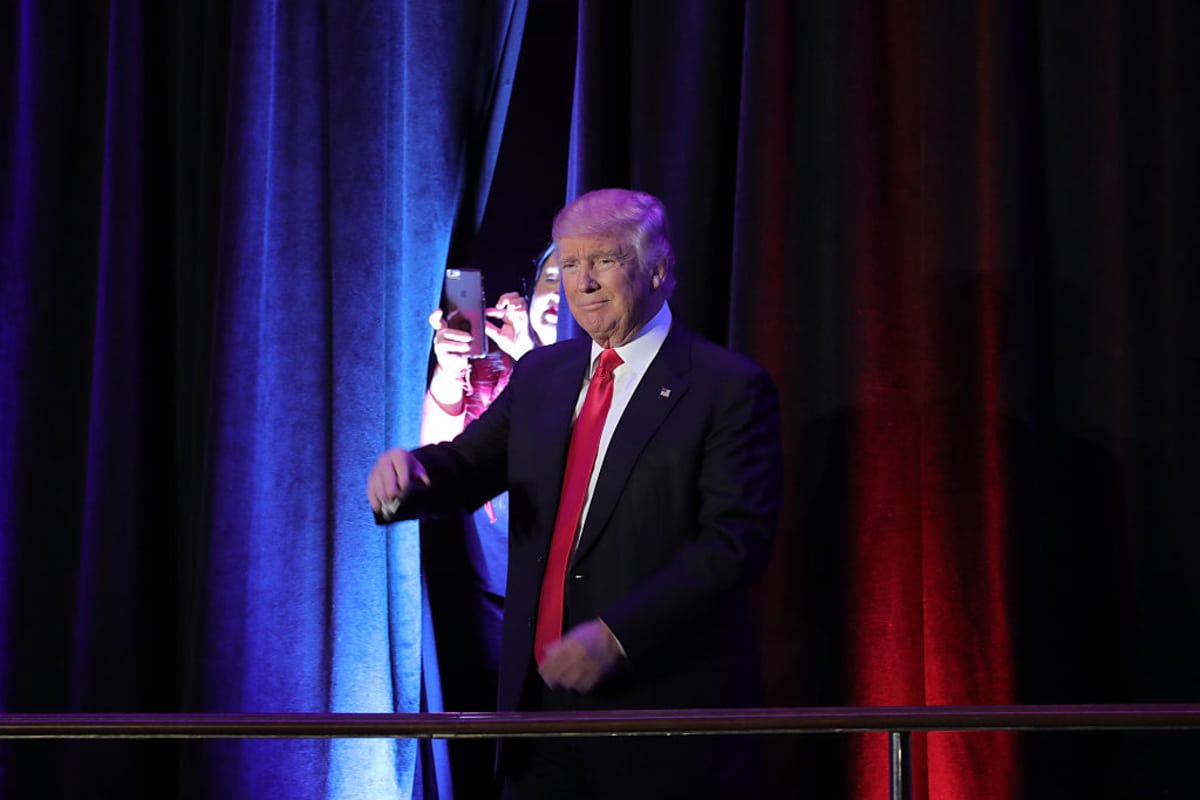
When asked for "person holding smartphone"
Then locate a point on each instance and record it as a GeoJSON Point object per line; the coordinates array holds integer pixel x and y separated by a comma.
{"type": "Point", "coordinates": [465, 559]}
{"type": "Point", "coordinates": [463, 387]}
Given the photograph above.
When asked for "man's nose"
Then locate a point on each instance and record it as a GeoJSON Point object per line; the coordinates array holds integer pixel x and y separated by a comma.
{"type": "Point", "coordinates": [587, 278]}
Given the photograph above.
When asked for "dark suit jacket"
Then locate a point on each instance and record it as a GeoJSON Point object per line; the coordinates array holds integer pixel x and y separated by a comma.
{"type": "Point", "coordinates": [681, 521]}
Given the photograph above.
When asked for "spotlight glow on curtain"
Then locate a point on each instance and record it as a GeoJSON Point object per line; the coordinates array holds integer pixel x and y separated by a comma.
{"type": "Point", "coordinates": [355, 146]}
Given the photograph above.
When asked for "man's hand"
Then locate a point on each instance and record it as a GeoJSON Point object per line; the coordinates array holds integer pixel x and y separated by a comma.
{"type": "Point", "coordinates": [393, 476]}
{"type": "Point", "coordinates": [584, 656]}
{"type": "Point", "coordinates": [512, 334]}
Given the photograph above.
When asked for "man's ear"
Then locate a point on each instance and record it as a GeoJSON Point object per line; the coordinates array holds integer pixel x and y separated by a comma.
{"type": "Point", "coordinates": [660, 275]}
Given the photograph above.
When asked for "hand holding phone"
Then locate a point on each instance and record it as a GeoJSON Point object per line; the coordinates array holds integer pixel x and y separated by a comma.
{"type": "Point", "coordinates": [510, 331]}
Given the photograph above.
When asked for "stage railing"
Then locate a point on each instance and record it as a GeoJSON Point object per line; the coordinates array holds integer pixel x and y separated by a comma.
{"type": "Point", "coordinates": [899, 722]}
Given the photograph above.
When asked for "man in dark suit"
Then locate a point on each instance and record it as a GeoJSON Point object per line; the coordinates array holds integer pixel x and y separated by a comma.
{"type": "Point", "coordinates": [638, 599]}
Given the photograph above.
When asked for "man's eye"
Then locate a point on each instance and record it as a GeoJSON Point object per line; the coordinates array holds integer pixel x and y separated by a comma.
{"type": "Point", "coordinates": [568, 265]}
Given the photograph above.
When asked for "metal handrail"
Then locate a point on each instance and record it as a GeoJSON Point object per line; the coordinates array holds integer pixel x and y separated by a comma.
{"type": "Point", "coordinates": [452, 725]}
{"type": "Point", "coordinates": [900, 722]}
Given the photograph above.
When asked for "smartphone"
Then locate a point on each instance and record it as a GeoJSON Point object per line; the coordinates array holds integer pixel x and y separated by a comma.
{"type": "Point", "coordinates": [463, 306]}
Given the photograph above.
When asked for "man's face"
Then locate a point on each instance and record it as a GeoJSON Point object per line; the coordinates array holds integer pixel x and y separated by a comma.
{"type": "Point", "coordinates": [610, 296]}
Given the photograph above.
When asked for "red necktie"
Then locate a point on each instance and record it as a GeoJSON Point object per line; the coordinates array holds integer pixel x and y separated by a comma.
{"type": "Point", "coordinates": [581, 457]}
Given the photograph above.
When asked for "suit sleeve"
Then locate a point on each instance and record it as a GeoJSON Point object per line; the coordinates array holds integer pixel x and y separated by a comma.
{"type": "Point", "coordinates": [735, 518]}
{"type": "Point", "coordinates": [465, 472]}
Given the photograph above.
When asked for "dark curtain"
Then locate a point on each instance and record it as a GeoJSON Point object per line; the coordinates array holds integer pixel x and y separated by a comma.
{"type": "Point", "coordinates": [960, 236]}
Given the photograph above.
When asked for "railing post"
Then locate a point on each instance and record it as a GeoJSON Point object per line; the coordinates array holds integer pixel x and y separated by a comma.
{"type": "Point", "coordinates": [901, 768]}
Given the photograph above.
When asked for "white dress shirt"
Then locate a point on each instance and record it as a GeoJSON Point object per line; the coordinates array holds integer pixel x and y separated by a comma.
{"type": "Point", "coordinates": [636, 356]}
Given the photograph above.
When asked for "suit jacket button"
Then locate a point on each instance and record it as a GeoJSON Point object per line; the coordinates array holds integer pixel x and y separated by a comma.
{"type": "Point", "coordinates": [529, 623]}
{"type": "Point", "coordinates": [540, 558]}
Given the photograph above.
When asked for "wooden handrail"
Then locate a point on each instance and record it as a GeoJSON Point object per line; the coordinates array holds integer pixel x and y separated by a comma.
{"type": "Point", "coordinates": [633, 722]}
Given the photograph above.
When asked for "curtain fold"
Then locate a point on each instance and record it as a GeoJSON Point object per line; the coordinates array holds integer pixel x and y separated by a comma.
{"type": "Point", "coordinates": [930, 481]}
{"type": "Point", "coordinates": [16, 246]}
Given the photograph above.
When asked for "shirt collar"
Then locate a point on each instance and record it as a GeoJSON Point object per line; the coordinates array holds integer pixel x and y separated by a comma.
{"type": "Point", "coordinates": [641, 350]}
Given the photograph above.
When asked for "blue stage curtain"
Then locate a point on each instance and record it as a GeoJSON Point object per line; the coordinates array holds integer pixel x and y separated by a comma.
{"type": "Point", "coordinates": [350, 154]}
{"type": "Point", "coordinates": [360, 137]}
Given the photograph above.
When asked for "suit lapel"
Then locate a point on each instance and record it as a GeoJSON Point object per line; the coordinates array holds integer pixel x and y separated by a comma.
{"type": "Point", "coordinates": [658, 392]}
